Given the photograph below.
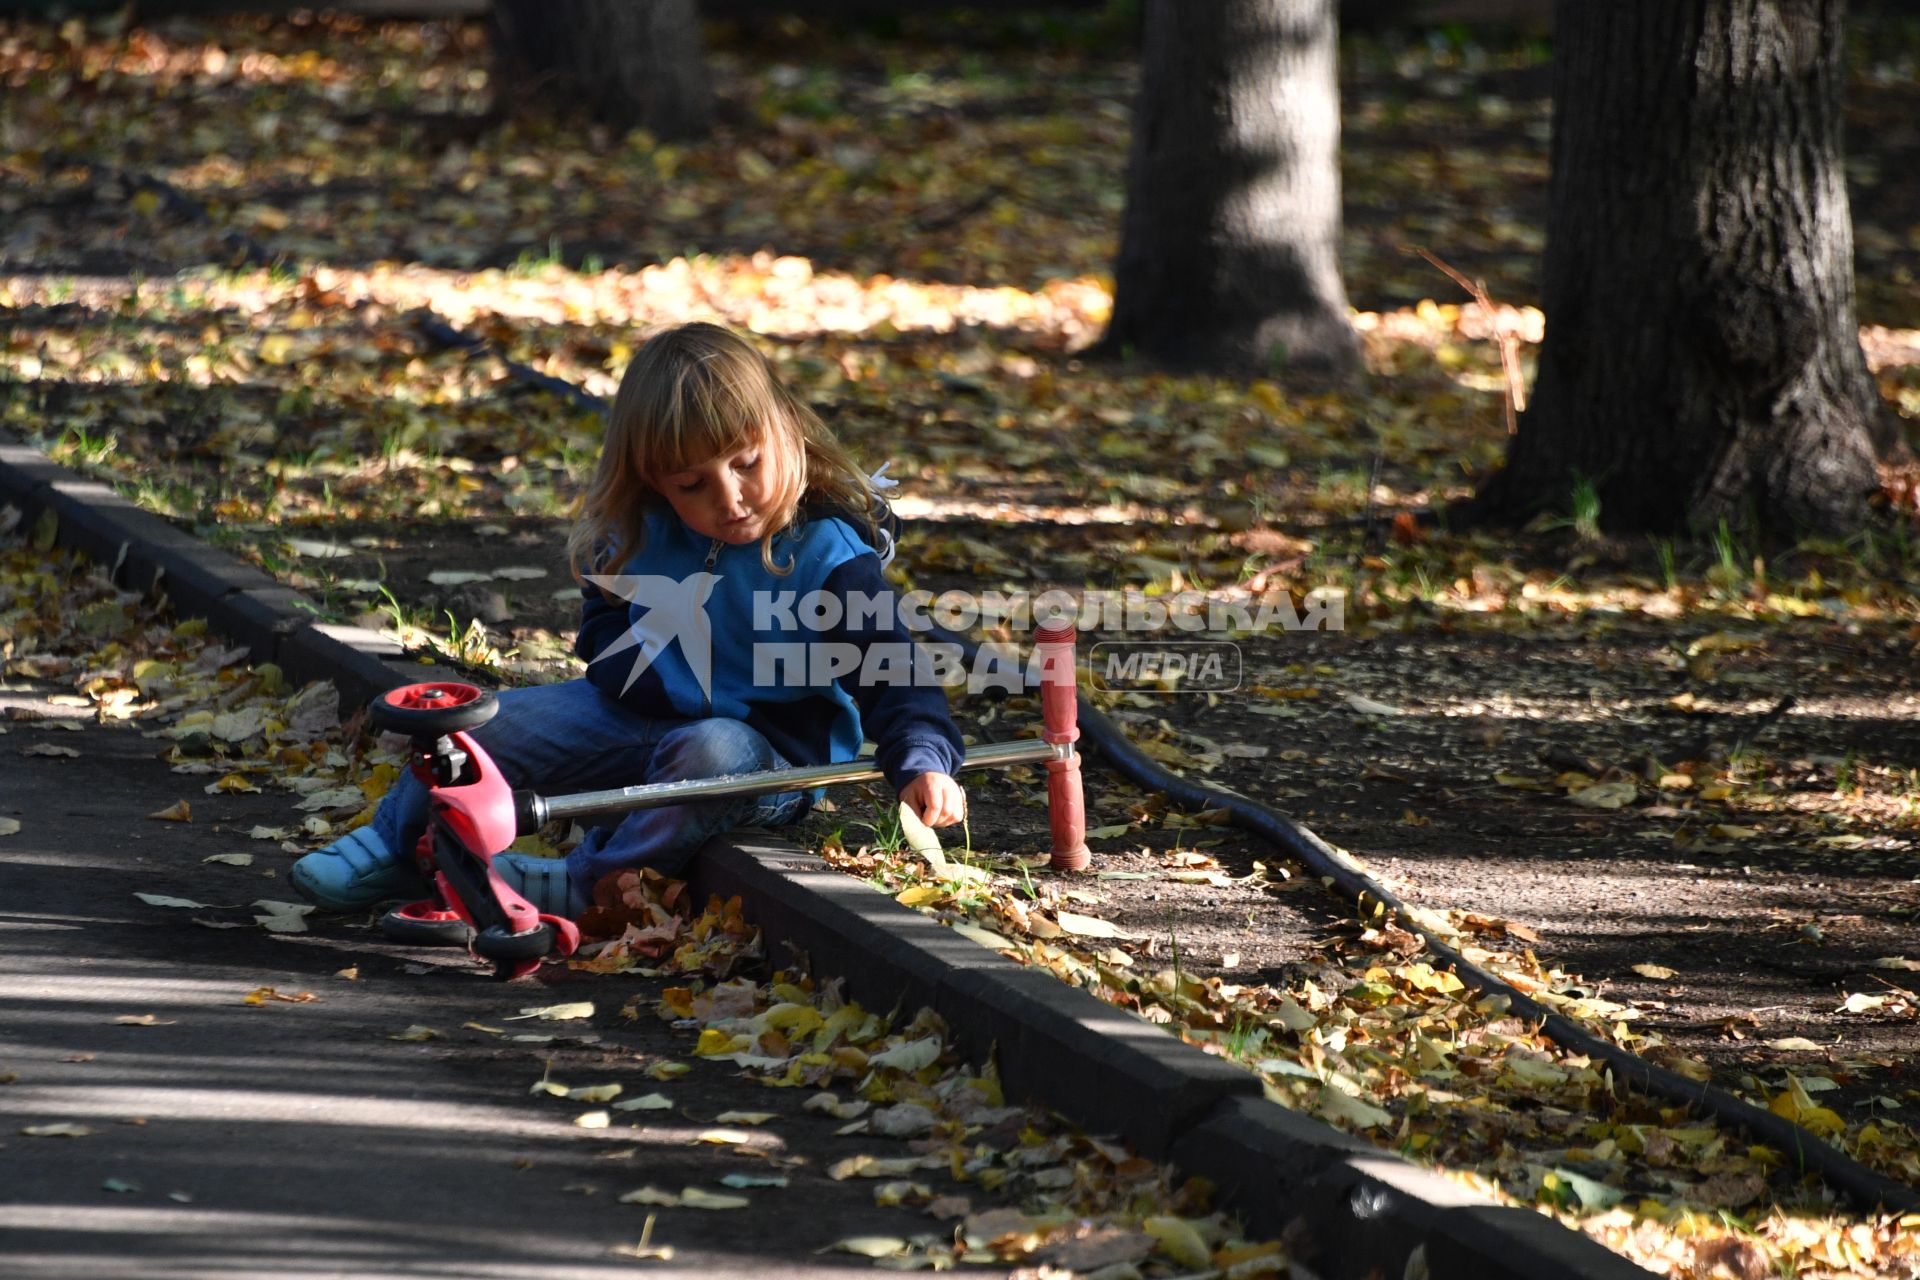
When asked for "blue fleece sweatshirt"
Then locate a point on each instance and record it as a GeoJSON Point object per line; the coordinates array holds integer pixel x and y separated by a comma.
{"type": "Point", "coordinates": [698, 625]}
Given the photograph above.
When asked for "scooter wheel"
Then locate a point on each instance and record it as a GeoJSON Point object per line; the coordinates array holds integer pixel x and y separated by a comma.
{"type": "Point", "coordinates": [503, 948]}
{"type": "Point", "coordinates": [439, 929]}
{"type": "Point", "coordinates": [433, 709]}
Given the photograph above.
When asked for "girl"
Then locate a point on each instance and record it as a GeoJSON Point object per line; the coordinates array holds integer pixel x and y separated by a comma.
{"type": "Point", "coordinates": [718, 496]}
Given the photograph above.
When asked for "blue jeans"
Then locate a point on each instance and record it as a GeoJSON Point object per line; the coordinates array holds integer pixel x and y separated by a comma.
{"type": "Point", "coordinates": [557, 738]}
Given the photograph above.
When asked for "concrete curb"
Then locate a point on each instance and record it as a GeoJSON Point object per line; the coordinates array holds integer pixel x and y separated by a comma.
{"type": "Point", "coordinates": [146, 554]}
{"type": "Point", "coordinates": [1346, 1209]}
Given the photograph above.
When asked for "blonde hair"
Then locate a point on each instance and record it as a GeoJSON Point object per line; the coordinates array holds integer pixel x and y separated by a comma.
{"type": "Point", "coordinates": [694, 392]}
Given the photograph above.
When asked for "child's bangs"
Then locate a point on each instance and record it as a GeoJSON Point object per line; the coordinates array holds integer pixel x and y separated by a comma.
{"type": "Point", "coordinates": [703, 422]}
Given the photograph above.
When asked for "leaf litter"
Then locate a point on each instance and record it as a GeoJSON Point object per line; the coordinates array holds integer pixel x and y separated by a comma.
{"type": "Point", "coordinates": [337, 335]}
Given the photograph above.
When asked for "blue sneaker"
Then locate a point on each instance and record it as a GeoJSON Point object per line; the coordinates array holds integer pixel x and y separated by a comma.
{"type": "Point", "coordinates": [355, 872]}
{"type": "Point", "coordinates": [543, 882]}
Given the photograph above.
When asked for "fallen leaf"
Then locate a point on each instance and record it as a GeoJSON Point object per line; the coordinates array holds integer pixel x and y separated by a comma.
{"type": "Point", "coordinates": [1605, 795]}
{"type": "Point", "coordinates": [724, 1137]}
{"type": "Point", "coordinates": [56, 1131]}
{"type": "Point", "coordinates": [741, 1117]}
{"type": "Point", "coordinates": [1088, 926]}
{"type": "Point", "coordinates": [698, 1198]}
{"type": "Point", "coordinates": [593, 1120]}
{"type": "Point", "coordinates": [1176, 1238]}
{"type": "Point", "coordinates": [1368, 707]}
{"type": "Point", "coordinates": [415, 1034]}
{"type": "Point", "coordinates": [865, 1166]}
{"type": "Point", "coordinates": [651, 1102]}
{"type": "Point", "coordinates": [555, 1012]}
{"type": "Point", "coordinates": [9, 826]}
{"type": "Point", "coordinates": [161, 900]}
{"type": "Point", "coordinates": [178, 811]}
{"type": "Point", "coordinates": [1339, 1105]}
{"type": "Point", "coordinates": [1656, 971]}
{"type": "Point", "coordinates": [867, 1246]}
{"type": "Point", "coordinates": [230, 859]}
{"type": "Point", "coordinates": [651, 1195]}
{"type": "Point", "coordinates": [747, 1181]}
{"type": "Point", "coordinates": [142, 1020]}
{"type": "Point", "coordinates": [914, 1055]}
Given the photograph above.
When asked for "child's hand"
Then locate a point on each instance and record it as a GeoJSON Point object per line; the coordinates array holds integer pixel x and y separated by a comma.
{"type": "Point", "coordinates": [936, 799]}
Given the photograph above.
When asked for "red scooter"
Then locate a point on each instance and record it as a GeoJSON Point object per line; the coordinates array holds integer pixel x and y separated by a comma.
{"type": "Point", "coordinates": [473, 814]}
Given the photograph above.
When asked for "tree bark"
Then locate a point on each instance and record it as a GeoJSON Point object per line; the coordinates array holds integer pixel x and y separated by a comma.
{"type": "Point", "coordinates": [630, 63]}
{"type": "Point", "coordinates": [1229, 244]}
{"type": "Point", "coordinates": [1702, 358]}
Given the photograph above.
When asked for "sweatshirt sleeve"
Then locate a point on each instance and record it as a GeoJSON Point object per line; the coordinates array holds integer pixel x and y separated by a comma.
{"type": "Point", "coordinates": [601, 621]}
{"type": "Point", "coordinates": [908, 722]}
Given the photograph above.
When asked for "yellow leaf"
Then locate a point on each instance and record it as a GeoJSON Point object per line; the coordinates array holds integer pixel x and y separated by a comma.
{"type": "Point", "coordinates": [1338, 1105]}
{"type": "Point", "coordinates": [651, 1195]}
{"type": "Point", "coordinates": [1176, 1238]}
{"type": "Point", "coordinates": [593, 1120]}
{"type": "Point", "coordinates": [595, 1093]}
{"type": "Point", "coordinates": [556, 1012]}
{"type": "Point", "coordinates": [714, 1042]}
{"type": "Point", "coordinates": [178, 811]}
{"type": "Point", "coordinates": [743, 1117]}
{"type": "Point", "coordinates": [1656, 971]}
{"type": "Point", "coordinates": [865, 1166]}
{"type": "Point", "coordinates": [1424, 977]}
{"type": "Point", "coordinates": [276, 348]}
{"type": "Point", "coordinates": [668, 1070]}
{"type": "Point", "coordinates": [920, 893]}
{"type": "Point", "coordinates": [413, 1034]}
{"type": "Point", "coordinates": [697, 1198]}
{"type": "Point", "coordinates": [725, 1137]}
{"type": "Point", "coordinates": [1088, 926]}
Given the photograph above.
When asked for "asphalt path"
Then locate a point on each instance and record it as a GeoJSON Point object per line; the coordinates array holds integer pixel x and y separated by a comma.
{"type": "Point", "coordinates": [303, 1137]}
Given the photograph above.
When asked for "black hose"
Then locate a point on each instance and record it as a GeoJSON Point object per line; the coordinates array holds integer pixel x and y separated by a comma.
{"type": "Point", "coordinates": [1867, 1189]}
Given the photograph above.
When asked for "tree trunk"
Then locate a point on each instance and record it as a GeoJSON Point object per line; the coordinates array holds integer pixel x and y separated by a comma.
{"type": "Point", "coordinates": [1229, 245]}
{"type": "Point", "coordinates": [630, 63]}
{"type": "Point", "coordinates": [1702, 359]}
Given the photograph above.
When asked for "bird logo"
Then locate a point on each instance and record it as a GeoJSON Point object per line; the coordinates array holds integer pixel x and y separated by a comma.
{"type": "Point", "coordinates": [675, 610]}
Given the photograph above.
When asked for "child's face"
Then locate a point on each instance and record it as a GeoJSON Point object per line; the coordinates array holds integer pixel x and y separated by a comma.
{"type": "Point", "coordinates": [729, 496]}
